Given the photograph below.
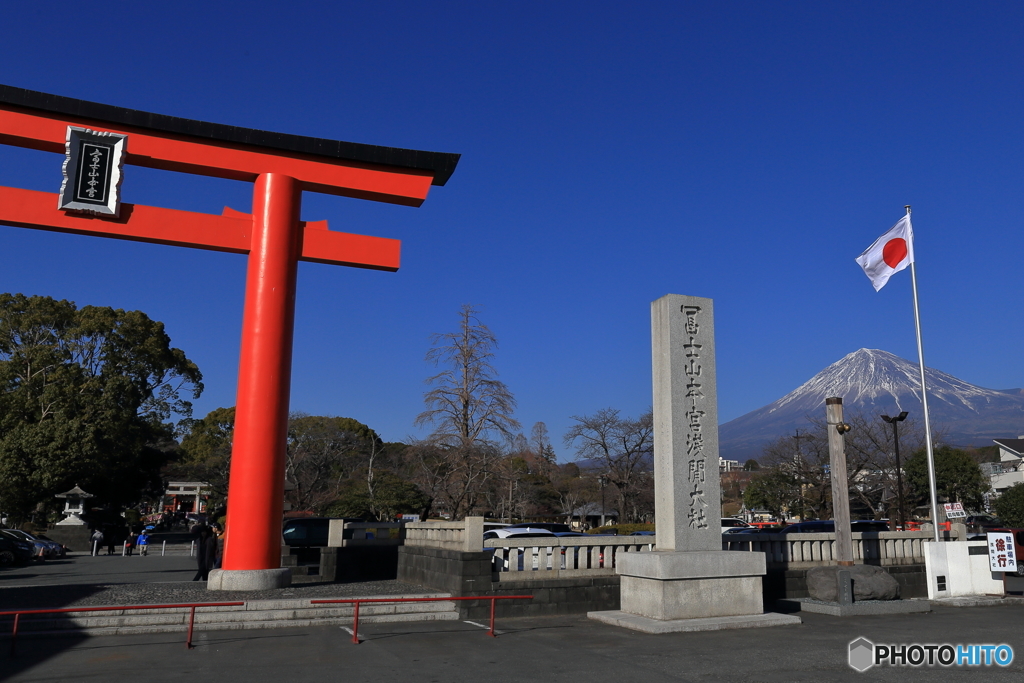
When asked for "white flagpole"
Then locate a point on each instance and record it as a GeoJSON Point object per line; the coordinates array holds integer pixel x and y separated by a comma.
{"type": "Point", "coordinates": [924, 401]}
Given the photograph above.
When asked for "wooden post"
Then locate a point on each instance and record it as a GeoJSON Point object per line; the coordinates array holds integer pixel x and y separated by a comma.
{"type": "Point", "coordinates": [840, 487]}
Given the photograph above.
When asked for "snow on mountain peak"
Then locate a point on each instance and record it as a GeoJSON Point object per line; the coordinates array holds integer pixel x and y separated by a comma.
{"type": "Point", "coordinates": [872, 381]}
{"type": "Point", "coordinates": [867, 375]}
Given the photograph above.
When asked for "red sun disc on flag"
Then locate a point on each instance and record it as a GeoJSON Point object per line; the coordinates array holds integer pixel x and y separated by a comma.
{"type": "Point", "coordinates": [894, 251]}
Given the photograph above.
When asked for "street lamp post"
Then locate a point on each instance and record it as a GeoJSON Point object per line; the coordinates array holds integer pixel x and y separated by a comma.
{"type": "Point", "coordinates": [603, 481]}
{"type": "Point", "coordinates": [894, 421]}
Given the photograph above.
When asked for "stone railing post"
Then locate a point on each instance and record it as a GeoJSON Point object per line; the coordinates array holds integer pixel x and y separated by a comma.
{"type": "Point", "coordinates": [336, 533]}
{"type": "Point", "coordinates": [473, 535]}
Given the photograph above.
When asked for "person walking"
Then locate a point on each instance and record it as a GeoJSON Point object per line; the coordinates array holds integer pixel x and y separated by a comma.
{"type": "Point", "coordinates": [130, 543]}
{"type": "Point", "coordinates": [220, 536]}
{"type": "Point", "coordinates": [203, 555]}
{"type": "Point", "coordinates": [143, 542]}
{"type": "Point", "coordinates": [97, 540]}
{"type": "Point", "coordinates": [111, 541]}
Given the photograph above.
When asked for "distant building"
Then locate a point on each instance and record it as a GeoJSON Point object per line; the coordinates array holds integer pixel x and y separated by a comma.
{"type": "Point", "coordinates": [591, 515]}
{"type": "Point", "coordinates": [728, 465]}
{"type": "Point", "coordinates": [1010, 468]}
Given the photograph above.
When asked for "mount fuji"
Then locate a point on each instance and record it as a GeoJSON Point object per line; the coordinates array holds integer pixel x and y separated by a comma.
{"type": "Point", "coordinates": [877, 382]}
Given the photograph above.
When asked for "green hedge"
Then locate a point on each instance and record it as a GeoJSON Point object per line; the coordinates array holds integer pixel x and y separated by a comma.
{"type": "Point", "coordinates": [621, 529]}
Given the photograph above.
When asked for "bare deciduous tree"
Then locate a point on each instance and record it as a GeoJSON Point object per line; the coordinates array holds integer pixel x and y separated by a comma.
{"type": "Point", "coordinates": [322, 453]}
{"type": "Point", "coordinates": [870, 463]}
{"type": "Point", "coordinates": [622, 449]}
{"type": "Point", "coordinates": [469, 409]}
{"type": "Point", "coordinates": [468, 404]}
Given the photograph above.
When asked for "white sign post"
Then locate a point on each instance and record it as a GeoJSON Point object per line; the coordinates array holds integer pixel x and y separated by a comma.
{"type": "Point", "coordinates": [1001, 554]}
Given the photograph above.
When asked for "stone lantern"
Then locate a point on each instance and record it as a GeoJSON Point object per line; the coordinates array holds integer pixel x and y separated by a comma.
{"type": "Point", "coordinates": [74, 506]}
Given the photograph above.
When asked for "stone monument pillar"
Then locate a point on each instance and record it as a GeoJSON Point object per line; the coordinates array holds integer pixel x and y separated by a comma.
{"type": "Point", "coordinates": [689, 583]}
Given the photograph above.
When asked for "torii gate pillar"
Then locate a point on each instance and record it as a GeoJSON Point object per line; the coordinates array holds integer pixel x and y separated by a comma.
{"type": "Point", "coordinates": [264, 378]}
{"type": "Point", "coordinates": [97, 139]}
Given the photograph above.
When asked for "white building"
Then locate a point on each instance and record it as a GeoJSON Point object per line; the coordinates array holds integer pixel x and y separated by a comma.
{"type": "Point", "coordinates": [1010, 468]}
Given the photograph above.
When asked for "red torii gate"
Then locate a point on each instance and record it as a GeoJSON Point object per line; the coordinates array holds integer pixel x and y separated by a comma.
{"type": "Point", "coordinates": [281, 167]}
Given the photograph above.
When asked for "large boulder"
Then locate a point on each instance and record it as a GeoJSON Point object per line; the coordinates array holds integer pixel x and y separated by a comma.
{"type": "Point", "coordinates": [869, 583]}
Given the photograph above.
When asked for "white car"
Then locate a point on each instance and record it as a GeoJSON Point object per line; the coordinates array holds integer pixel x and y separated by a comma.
{"type": "Point", "coordinates": [732, 523]}
{"type": "Point", "coordinates": [502, 564]}
{"type": "Point", "coordinates": [516, 532]}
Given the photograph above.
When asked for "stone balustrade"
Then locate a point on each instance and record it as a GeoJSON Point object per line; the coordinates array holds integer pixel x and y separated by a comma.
{"type": "Point", "coordinates": [796, 551]}
{"type": "Point", "coordinates": [466, 536]}
{"type": "Point", "coordinates": [517, 559]}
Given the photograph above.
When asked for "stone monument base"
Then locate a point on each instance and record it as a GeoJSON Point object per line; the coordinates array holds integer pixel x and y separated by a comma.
{"type": "Point", "coordinates": [697, 590]}
{"type": "Point", "coordinates": [648, 625]}
{"type": "Point", "coordinates": [855, 609]}
{"type": "Point", "coordinates": [248, 579]}
{"type": "Point", "coordinates": [76, 538]}
{"type": "Point", "coordinates": [691, 585]}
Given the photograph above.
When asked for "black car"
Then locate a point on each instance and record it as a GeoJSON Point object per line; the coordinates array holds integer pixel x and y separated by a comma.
{"type": "Point", "coordinates": [981, 523]}
{"type": "Point", "coordinates": [13, 551]}
{"type": "Point", "coordinates": [310, 532]}
{"type": "Point", "coordinates": [828, 526]}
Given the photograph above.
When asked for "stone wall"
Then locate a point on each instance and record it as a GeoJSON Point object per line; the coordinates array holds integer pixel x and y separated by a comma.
{"type": "Point", "coordinates": [469, 574]}
{"type": "Point", "coordinates": [76, 538]}
{"type": "Point", "coordinates": [360, 563]}
{"type": "Point", "coordinates": [466, 574]}
{"type": "Point", "coordinates": [451, 571]}
{"type": "Point", "coordinates": [550, 596]}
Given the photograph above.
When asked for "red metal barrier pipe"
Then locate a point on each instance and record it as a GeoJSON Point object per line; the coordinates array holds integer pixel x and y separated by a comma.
{"type": "Point", "coordinates": [358, 601]}
{"type": "Point", "coordinates": [193, 605]}
{"type": "Point", "coordinates": [490, 632]}
{"type": "Point", "coordinates": [14, 633]}
{"type": "Point", "coordinates": [191, 621]}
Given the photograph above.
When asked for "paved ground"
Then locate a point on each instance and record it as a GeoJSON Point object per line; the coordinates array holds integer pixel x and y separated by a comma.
{"type": "Point", "coordinates": [82, 568]}
{"type": "Point", "coordinates": [555, 648]}
{"type": "Point", "coordinates": [83, 580]}
{"type": "Point", "coordinates": [540, 649]}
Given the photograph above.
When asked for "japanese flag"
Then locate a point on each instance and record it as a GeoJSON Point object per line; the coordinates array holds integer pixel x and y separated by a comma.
{"type": "Point", "coordinates": [891, 253]}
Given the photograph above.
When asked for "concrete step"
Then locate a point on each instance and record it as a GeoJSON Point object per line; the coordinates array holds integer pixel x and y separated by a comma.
{"type": "Point", "coordinates": [254, 614]}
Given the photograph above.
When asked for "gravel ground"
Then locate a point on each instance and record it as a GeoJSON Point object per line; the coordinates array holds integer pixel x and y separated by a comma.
{"type": "Point", "coordinates": [52, 597]}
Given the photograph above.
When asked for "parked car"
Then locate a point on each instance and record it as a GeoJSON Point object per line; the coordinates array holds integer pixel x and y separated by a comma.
{"type": "Point", "coordinates": [982, 523]}
{"type": "Point", "coordinates": [747, 530]}
{"type": "Point", "coordinates": [517, 532]}
{"type": "Point", "coordinates": [14, 551]}
{"type": "Point", "coordinates": [502, 564]}
{"type": "Point", "coordinates": [39, 549]}
{"type": "Point", "coordinates": [732, 523]}
{"type": "Point", "coordinates": [306, 532]}
{"type": "Point", "coordinates": [52, 549]}
{"type": "Point", "coordinates": [828, 526]}
{"type": "Point", "coordinates": [759, 529]}
{"type": "Point", "coordinates": [550, 526]}
{"type": "Point", "coordinates": [63, 549]}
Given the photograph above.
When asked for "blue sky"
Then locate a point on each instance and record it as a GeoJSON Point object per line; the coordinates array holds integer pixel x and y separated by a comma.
{"type": "Point", "coordinates": [742, 151]}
